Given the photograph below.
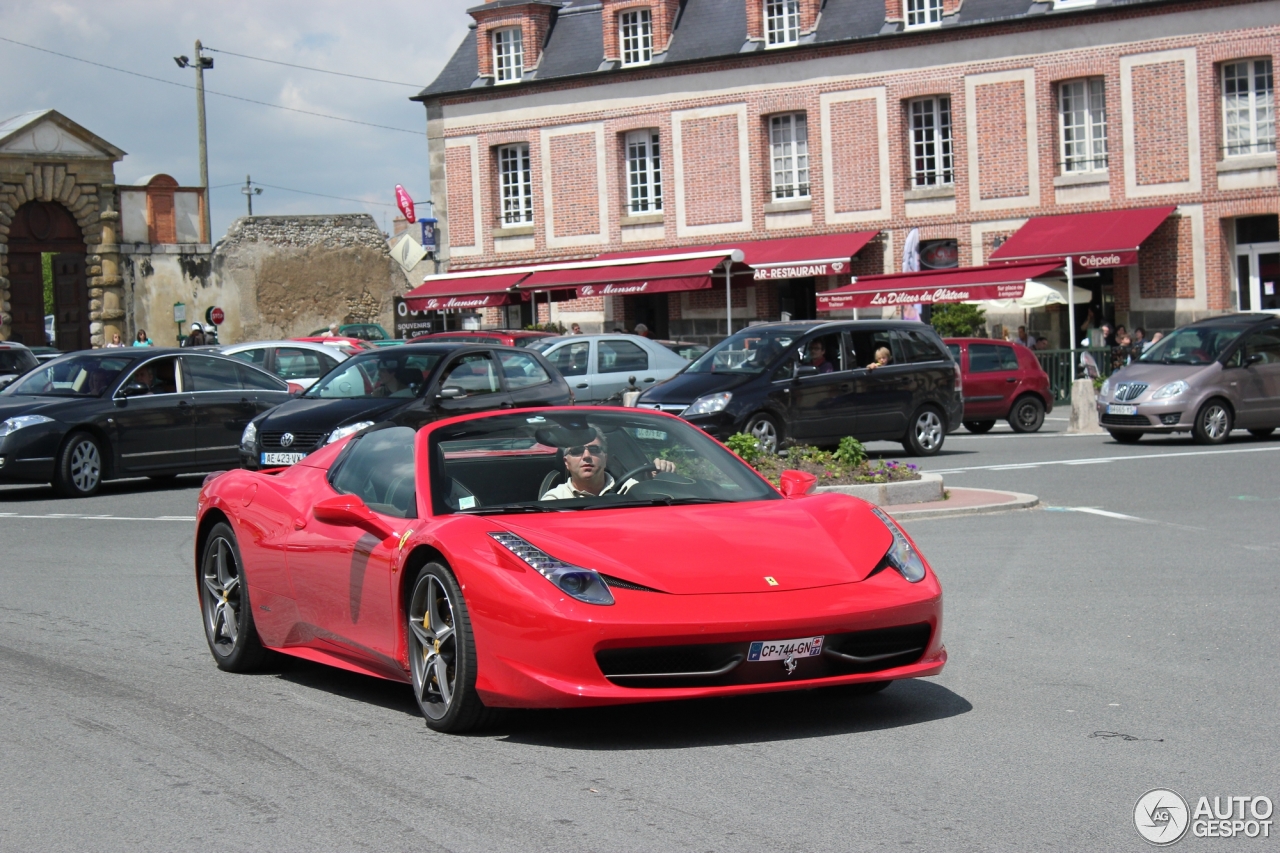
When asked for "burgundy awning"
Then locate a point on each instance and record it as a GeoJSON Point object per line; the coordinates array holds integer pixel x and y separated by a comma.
{"type": "Point", "coordinates": [1110, 238]}
{"type": "Point", "coordinates": [465, 291]}
{"type": "Point", "coordinates": [786, 257]}
{"type": "Point", "coordinates": [998, 281]}
{"type": "Point", "coordinates": [630, 276]}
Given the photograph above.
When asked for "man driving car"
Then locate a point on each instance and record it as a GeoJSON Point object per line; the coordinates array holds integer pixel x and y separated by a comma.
{"type": "Point", "coordinates": [585, 464]}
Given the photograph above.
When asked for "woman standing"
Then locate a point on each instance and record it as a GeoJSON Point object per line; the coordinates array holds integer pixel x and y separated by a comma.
{"type": "Point", "coordinates": [142, 339]}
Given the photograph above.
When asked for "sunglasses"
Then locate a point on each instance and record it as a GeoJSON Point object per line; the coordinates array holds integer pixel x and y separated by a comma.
{"type": "Point", "coordinates": [593, 449]}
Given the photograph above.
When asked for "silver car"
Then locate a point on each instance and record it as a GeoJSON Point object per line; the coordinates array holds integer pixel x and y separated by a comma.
{"type": "Point", "coordinates": [1207, 378]}
{"type": "Point", "coordinates": [299, 363]}
{"type": "Point", "coordinates": [599, 366]}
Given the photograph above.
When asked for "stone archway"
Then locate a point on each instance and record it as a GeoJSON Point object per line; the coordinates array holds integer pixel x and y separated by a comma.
{"type": "Point", "coordinates": [57, 189]}
{"type": "Point", "coordinates": [41, 227]}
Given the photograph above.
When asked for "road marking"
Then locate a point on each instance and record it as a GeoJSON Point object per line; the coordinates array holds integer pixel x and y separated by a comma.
{"type": "Point", "coordinates": [62, 516]}
{"type": "Point", "coordinates": [1100, 459]}
{"type": "Point", "coordinates": [1105, 513]}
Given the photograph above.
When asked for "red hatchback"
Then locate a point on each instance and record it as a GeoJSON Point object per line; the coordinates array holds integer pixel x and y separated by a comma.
{"type": "Point", "coordinates": [505, 337]}
{"type": "Point", "coordinates": [1001, 381]}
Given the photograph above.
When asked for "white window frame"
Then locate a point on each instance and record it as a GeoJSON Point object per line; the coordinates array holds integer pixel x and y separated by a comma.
{"type": "Point", "coordinates": [508, 55]}
{"type": "Point", "coordinates": [789, 156]}
{"type": "Point", "coordinates": [1249, 117]}
{"type": "Point", "coordinates": [1082, 125]}
{"type": "Point", "coordinates": [932, 155]}
{"type": "Point", "coordinates": [1072, 4]}
{"type": "Point", "coordinates": [923, 13]}
{"type": "Point", "coordinates": [644, 172]}
{"type": "Point", "coordinates": [781, 23]}
{"type": "Point", "coordinates": [635, 37]}
{"type": "Point", "coordinates": [515, 183]}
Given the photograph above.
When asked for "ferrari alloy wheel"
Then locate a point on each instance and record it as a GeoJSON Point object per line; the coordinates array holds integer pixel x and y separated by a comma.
{"type": "Point", "coordinates": [979, 427]}
{"type": "Point", "coordinates": [925, 434]}
{"type": "Point", "coordinates": [442, 653]}
{"type": "Point", "coordinates": [764, 429]}
{"type": "Point", "coordinates": [1027, 414]}
{"type": "Point", "coordinates": [224, 602]}
{"type": "Point", "coordinates": [1213, 423]}
{"type": "Point", "coordinates": [79, 471]}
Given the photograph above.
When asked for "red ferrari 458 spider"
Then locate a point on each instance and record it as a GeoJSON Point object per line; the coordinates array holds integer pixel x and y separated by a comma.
{"type": "Point", "coordinates": [549, 558]}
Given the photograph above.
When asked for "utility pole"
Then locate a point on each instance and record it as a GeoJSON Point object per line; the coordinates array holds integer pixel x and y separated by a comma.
{"type": "Point", "coordinates": [200, 64]}
{"type": "Point", "coordinates": [250, 191]}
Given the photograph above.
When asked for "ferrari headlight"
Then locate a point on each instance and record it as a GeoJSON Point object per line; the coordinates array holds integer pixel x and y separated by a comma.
{"type": "Point", "coordinates": [21, 421]}
{"type": "Point", "coordinates": [249, 438]}
{"type": "Point", "coordinates": [342, 432]}
{"type": "Point", "coordinates": [709, 404]}
{"type": "Point", "coordinates": [583, 584]}
{"type": "Point", "coordinates": [900, 554]}
{"type": "Point", "coordinates": [1106, 387]}
{"type": "Point", "coordinates": [1173, 389]}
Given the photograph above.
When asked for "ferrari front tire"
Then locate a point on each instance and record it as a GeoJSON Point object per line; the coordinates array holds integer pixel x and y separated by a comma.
{"type": "Point", "coordinates": [224, 604]}
{"type": "Point", "coordinates": [442, 653]}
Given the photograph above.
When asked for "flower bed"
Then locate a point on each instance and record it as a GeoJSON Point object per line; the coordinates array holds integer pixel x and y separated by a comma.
{"type": "Point", "coordinates": [846, 466]}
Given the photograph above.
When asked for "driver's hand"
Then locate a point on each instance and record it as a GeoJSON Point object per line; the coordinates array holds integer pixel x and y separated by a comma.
{"type": "Point", "coordinates": [664, 465]}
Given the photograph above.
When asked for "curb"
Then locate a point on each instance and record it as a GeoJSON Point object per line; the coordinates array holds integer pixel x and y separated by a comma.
{"type": "Point", "coordinates": [1018, 500]}
{"type": "Point", "coordinates": [928, 488]}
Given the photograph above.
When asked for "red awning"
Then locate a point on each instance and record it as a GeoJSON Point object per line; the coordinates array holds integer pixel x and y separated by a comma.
{"type": "Point", "coordinates": [999, 281]}
{"type": "Point", "coordinates": [787, 257]}
{"type": "Point", "coordinates": [466, 290]}
{"type": "Point", "coordinates": [1093, 240]}
{"type": "Point", "coordinates": [647, 275]}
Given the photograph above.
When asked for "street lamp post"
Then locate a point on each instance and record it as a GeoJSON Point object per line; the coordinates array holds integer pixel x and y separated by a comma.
{"type": "Point", "coordinates": [250, 191]}
{"type": "Point", "coordinates": [200, 64]}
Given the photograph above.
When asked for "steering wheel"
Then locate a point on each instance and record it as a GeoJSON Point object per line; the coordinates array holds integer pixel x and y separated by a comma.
{"type": "Point", "coordinates": [643, 469]}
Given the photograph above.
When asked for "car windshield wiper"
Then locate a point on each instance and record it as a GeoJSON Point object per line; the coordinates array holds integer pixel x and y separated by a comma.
{"type": "Point", "coordinates": [655, 501]}
{"type": "Point", "coordinates": [510, 508]}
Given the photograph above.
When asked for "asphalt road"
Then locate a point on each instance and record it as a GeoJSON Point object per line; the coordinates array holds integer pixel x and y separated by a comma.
{"type": "Point", "coordinates": [1119, 639]}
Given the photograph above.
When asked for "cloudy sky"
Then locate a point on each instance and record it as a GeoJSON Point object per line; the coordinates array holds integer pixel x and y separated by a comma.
{"type": "Point", "coordinates": [155, 123]}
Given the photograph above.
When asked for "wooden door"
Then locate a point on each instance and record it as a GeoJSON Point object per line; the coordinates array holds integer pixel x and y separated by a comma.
{"type": "Point", "coordinates": [70, 301]}
{"type": "Point", "coordinates": [26, 295]}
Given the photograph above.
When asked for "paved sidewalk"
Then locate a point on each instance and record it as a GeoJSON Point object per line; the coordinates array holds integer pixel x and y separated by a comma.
{"type": "Point", "coordinates": [964, 502]}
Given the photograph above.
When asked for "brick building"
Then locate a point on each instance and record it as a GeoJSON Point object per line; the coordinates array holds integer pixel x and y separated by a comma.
{"type": "Point", "coordinates": [563, 132]}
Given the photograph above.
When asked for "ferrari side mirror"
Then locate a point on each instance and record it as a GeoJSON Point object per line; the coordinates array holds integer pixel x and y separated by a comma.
{"type": "Point", "coordinates": [794, 484]}
{"type": "Point", "coordinates": [350, 511]}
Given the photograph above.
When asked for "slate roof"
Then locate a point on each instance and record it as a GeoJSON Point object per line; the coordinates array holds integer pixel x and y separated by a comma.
{"type": "Point", "coordinates": [709, 29]}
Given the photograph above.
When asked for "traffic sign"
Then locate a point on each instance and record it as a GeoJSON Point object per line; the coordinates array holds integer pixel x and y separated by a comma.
{"type": "Point", "coordinates": [215, 316]}
{"type": "Point", "coordinates": [408, 253]}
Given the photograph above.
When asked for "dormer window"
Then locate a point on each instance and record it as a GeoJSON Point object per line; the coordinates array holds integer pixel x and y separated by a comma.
{"type": "Point", "coordinates": [508, 55]}
{"type": "Point", "coordinates": [635, 32]}
{"type": "Point", "coordinates": [782, 22]}
{"type": "Point", "coordinates": [924, 13]}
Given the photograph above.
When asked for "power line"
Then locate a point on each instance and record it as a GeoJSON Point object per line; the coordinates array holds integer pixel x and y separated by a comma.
{"type": "Point", "coordinates": [210, 91]}
{"type": "Point", "coordinates": [309, 68]}
{"type": "Point", "coordinates": [305, 192]}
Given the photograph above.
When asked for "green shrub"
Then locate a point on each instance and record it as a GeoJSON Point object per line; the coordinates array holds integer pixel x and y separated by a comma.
{"type": "Point", "coordinates": [850, 452]}
{"type": "Point", "coordinates": [957, 319]}
{"type": "Point", "coordinates": [746, 446]}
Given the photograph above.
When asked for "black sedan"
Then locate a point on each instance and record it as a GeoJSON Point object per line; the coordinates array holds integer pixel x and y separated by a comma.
{"type": "Point", "coordinates": [98, 415]}
{"type": "Point", "coordinates": [412, 385]}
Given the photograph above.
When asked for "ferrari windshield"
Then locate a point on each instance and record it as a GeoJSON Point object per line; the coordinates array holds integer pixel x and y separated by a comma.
{"type": "Point", "coordinates": [567, 460]}
{"type": "Point", "coordinates": [389, 374]}
{"type": "Point", "coordinates": [1193, 345]}
{"type": "Point", "coordinates": [72, 376]}
{"type": "Point", "coordinates": [750, 351]}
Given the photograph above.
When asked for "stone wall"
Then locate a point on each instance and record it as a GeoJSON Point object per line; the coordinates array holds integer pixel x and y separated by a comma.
{"type": "Point", "coordinates": [285, 276]}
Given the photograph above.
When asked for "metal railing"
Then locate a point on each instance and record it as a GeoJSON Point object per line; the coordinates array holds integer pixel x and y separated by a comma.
{"type": "Point", "coordinates": [1057, 363]}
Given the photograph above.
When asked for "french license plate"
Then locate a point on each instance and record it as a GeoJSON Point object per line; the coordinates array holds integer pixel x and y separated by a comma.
{"type": "Point", "coordinates": [782, 649]}
{"type": "Point", "coordinates": [1116, 409]}
{"type": "Point", "coordinates": [282, 458]}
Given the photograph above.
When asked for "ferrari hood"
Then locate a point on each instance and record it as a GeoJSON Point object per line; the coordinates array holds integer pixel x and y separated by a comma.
{"type": "Point", "coordinates": [814, 541]}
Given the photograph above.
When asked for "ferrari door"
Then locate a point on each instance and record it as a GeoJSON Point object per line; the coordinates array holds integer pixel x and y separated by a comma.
{"type": "Point", "coordinates": [341, 574]}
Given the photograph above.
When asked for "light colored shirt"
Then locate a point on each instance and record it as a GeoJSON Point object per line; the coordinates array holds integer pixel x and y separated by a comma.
{"type": "Point", "coordinates": [565, 491]}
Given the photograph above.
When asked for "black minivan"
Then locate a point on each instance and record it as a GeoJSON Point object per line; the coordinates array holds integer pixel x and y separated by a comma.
{"type": "Point", "coordinates": [816, 382]}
